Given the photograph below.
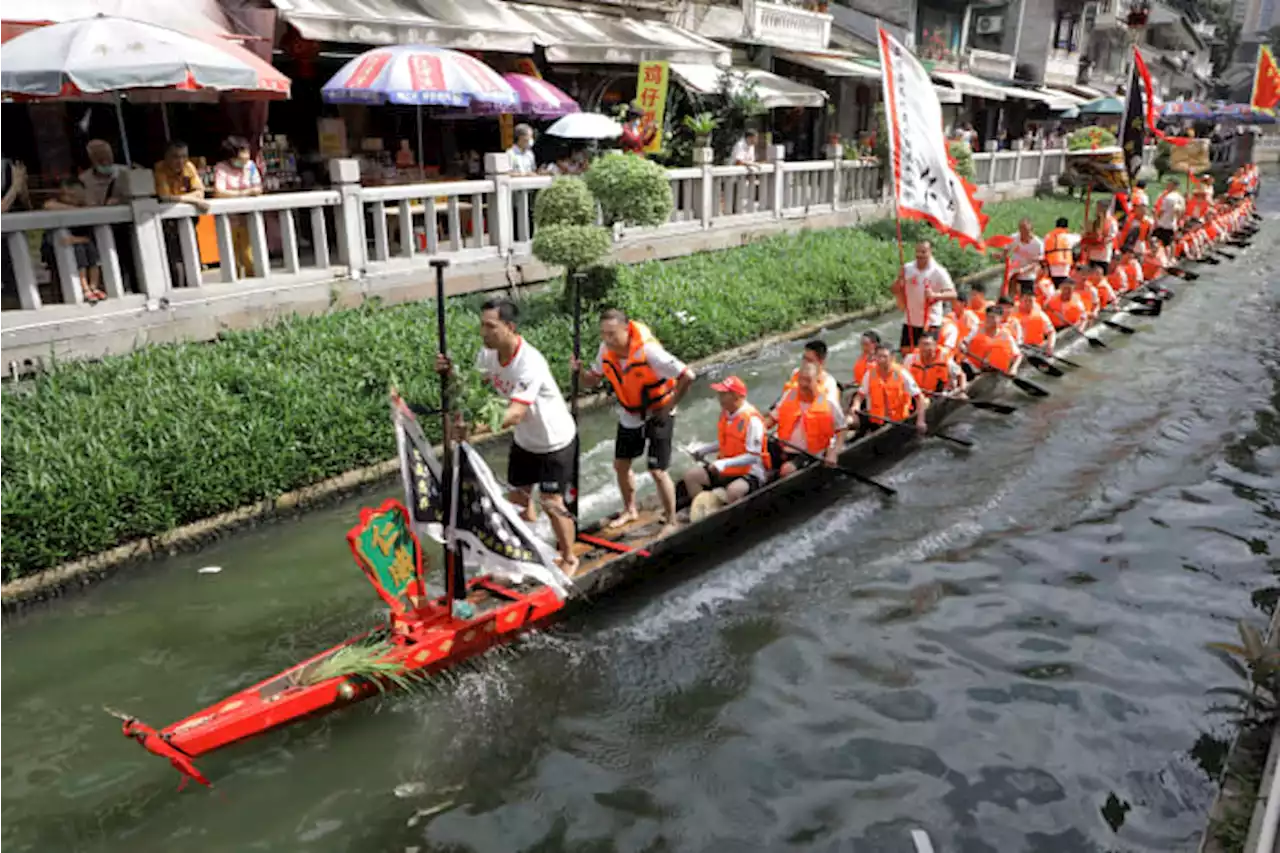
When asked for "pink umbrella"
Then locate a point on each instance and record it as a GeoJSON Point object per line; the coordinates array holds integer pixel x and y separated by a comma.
{"type": "Point", "coordinates": [540, 98]}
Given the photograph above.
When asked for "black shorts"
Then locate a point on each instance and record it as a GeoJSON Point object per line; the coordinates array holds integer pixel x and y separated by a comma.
{"type": "Point", "coordinates": [1059, 279]}
{"type": "Point", "coordinates": [718, 480]}
{"type": "Point", "coordinates": [551, 472]}
{"type": "Point", "coordinates": [910, 336]}
{"type": "Point", "coordinates": [1100, 265]}
{"type": "Point", "coordinates": [1164, 235]}
{"type": "Point", "coordinates": [657, 433]}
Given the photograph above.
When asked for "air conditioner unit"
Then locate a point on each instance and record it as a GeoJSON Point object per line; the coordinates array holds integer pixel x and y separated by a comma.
{"type": "Point", "coordinates": [986, 25]}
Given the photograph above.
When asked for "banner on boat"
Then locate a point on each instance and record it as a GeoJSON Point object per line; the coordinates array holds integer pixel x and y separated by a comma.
{"type": "Point", "coordinates": [925, 182]}
{"type": "Point", "coordinates": [493, 537]}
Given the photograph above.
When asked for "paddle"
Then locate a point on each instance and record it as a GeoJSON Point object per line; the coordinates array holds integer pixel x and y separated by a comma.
{"type": "Point", "coordinates": [1024, 384]}
{"type": "Point", "coordinates": [961, 442]}
{"type": "Point", "coordinates": [985, 405]}
{"type": "Point", "coordinates": [1068, 362]}
{"type": "Point", "coordinates": [1042, 364]}
{"type": "Point", "coordinates": [1183, 274]}
{"type": "Point", "coordinates": [848, 472]}
{"type": "Point", "coordinates": [1208, 260]}
{"type": "Point", "coordinates": [1119, 327]}
{"type": "Point", "coordinates": [1227, 255]}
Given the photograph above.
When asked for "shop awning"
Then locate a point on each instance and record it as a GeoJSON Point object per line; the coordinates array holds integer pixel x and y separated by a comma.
{"type": "Point", "coordinates": [1087, 92]}
{"type": "Point", "coordinates": [459, 24]}
{"type": "Point", "coordinates": [1062, 100]}
{"type": "Point", "coordinates": [974, 87]}
{"type": "Point", "coordinates": [775, 92]}
{"type": "Point", "coordinates": [832, 65]}
{"type": "Point", "coordinates": [588, 38]}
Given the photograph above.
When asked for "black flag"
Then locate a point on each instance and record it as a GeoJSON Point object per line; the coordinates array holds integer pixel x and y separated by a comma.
{"type": "Point", "coordinates": [1133, 129]}
{"type": "Point", "coordinates": [491, 533]}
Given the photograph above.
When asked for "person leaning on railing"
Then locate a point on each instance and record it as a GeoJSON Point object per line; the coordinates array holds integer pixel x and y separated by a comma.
{"type": "Point", "coordinates": [71, 196]}
{"type": "Point", "coordinates": [178, 182]}
{"type": "Point", "coordinates": [237, 176]}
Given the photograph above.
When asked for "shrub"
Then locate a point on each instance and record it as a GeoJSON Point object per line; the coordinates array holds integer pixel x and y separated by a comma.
{"type": "Point", "coordinates": [963, 155]}
{"type": "Point", "coordinates": [566, 202]}
{"type": "Point", "coordinates": [630, 190]}
{"type": "Point", "coordinates": [573, 247]}
{"type": "Point", "coordinates": [1087, 138]}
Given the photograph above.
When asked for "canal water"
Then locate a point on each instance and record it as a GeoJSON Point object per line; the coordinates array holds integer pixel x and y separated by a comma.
{"type": "Point", "coordinates": [1010, 656]}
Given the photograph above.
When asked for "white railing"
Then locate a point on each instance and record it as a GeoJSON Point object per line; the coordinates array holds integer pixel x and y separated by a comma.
{"type": "Point", "coordinates": [151, 254]}
{"type": "Point", "coordinates": [780, 24]}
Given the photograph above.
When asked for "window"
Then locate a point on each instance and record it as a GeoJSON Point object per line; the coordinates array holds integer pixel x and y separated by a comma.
{"type": "Point", "coordinates": [1066, 31]}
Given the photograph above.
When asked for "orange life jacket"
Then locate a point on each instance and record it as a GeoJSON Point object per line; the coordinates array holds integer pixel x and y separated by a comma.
{"type": "Point", "coordinates": [966, 322]}
{"type": "Point", "coordinates": [1143, 227]}
{"type": "Point", "coordinates": [817, 417]}
{"type": "Point", "coordinates": [1133, 272]}
{"type": "Point", "coordinates": [1013, 326]}
{"type": "Point", "coordinates": [732, 435]}
{"type": "Point", "coordinates": [1235, 189]}
{"type": "Point", "coordinates": [1036, 325]}
{"type": "Point", "coordinates": [638, 388]}
{"type": "Point", "coordinates": [948, 330]}
{"type": "Point", "coordinates": [1087, 293]}
{"type": "Point", "coordinates": [888, 397]}
{"type": "Point", "coordinates": [1063, 315]}
{"type": "Point", "coordinates": [978, 305]}
{"type": "Point", "coordinates": [934, 376]}
{"type": "Point", "coordinates": [860, 368]}
{"type": "Point", "coordinates": [1106, 293]}
{"type": "Point", "coordinates": [1057, 248]}
{"type": "Point", "coordinates": [1044, 290]}
{"type": "Point", "coordinates": [1197, 207]}
{"type": "Point", "coordinates": [826, 383]}
{"type": "Point", "coordinates": [996, 351]}
{"type": "Point", "coordinates": [1118, 280]}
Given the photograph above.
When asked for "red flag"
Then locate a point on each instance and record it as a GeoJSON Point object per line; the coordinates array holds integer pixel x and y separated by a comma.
{"type": "Point", "coordinates": [1141, 65]}
{"type": "Point", "coordinates": [1266, 82]}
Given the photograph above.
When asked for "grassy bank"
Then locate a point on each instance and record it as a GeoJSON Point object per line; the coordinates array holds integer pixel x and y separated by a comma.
{"type": "Point", "coordinates": [97, 454]}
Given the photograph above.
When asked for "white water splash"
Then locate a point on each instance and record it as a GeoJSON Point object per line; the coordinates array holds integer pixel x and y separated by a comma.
{"type": "Point", "coordinates": [733, 580]}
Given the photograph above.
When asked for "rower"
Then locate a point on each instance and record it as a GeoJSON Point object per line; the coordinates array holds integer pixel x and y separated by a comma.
{"type": "Point", "coordinates": [1087, 291]}
{"type": "Point", "coordinates": [815, 354]}
{"type": "Point", "coordinates": [1140, 195]}
{"type": "Point", "coordinates": [809, 420]}
{"type": "Point", "coordinates": [1065, 308]}
{"type": "Point", "coordinates": [1170, 207]}
{"type": "Point", "coordinates": [1009, 319]}
{"type": "Point", "coordinates": [934, 369]}
{"type": "Point", "coordinates": [649, 382]}
{"type": "Point", "coordinates": [993, 347]}
{"type": "Point", "coordinates": [920, 290]}
{"type": "Point", "coordinates": [1155, 261]}
{"type": "Point", "coordinates": [977, 302]}
{"type": "Point", "coordinates": [1025, 254]}
{"type": "Point", "coordinates": [965, 320]}
{"type": "Point", "coordinates": [742, 459]}
{"type": "Point", "coordinates": [870, 340]}
{"type": "Point", "coordinates": [891, 393]}
{"type": "Point", "coordinates": [1037, 328]}
{"type": "Point", "coordinates": [544, 444]}
{"type": "Point", "coordinates": [1058, 244]}
{"type": "Point", "coordinates": [1137, 230]}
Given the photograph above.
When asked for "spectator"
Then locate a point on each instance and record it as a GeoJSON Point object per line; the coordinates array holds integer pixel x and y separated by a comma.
{"type": "Point", "coordinates": [237, 176]}
{"type": "Point", "coordinates": [15, 183]}
{"type": "Point", "coordinates": [178, 181]}
{"type": "Point", "coordinates": [100, 178]}
{"type": "Point", "coordinates": [521, 154]}
{"type": "Point", "coordinates": [72, 196]}
{"type": "Point", "coordinates": [744, 150]}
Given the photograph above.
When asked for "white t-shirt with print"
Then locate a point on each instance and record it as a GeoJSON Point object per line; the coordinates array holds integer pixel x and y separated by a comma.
{"type": "Point", "coordinates": [1172, 206]}
{"type": "Point", "coordinates": [527, 379]}
{"type": "Point", "coordinates": [931, 280]}
{"type": "Point", "coordinates": [1026, 254]}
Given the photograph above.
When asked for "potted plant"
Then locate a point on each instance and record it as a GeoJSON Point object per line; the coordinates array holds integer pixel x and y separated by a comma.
{"type": "Point", "coordinates": [701, 126]}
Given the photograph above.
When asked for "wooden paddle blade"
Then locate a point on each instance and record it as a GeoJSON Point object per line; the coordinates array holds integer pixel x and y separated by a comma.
{"type": "Point", "coordinates": [1208, 260]}
{"type": "Point", "coordinates": [1044, 365]}
{"type": "Point", "coordinates": [1119, 327]}
{"type": "Point", "coordinates": [887, 491]}
{"type": "Point", "coordinates": [1095, 342]}
{"type": "Point", "coordinates": [959, 442]}
{"type": "Point", "coordinates": [1030, 387]}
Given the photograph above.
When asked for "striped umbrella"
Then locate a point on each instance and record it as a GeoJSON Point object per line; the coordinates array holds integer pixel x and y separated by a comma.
{"type": "Point", "coordinates": [1185, 109]}
{"type": "Point", "coordinates": [540, 98]}
{"type": "Point", "coordinates": [418, 75]}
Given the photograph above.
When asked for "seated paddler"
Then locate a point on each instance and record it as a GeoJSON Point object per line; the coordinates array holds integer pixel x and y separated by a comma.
{"type": "Point", "coordinates": [810, 423]}
{"type": "Point", "coordinates": [742, 460]}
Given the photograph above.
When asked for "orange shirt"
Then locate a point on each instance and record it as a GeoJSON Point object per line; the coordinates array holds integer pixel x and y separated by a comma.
{"type": "Point", "coordinates": [1068, 314]}
{"type": "Point", "coordinates": [1035, 324]}
{"type": "Point", "coordinates": [996, 351]}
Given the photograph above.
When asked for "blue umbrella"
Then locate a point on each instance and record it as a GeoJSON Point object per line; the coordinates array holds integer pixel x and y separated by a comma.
{"type": "Point", "coordinates": [1186, 109]}
{"type": "Point", "coordinates": [1102, 107]}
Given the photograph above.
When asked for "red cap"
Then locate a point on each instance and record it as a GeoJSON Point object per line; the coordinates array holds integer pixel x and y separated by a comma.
{"type": "Point", "coordinates": [732, 384]}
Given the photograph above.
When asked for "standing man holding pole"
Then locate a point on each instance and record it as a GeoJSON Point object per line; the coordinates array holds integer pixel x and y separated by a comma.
{"type": "Point", "coordinates": [649, 382]}
{"type": "Point", "coordinates": [544, 443]}
{"type": "Point", "coordinates": [921, 289]}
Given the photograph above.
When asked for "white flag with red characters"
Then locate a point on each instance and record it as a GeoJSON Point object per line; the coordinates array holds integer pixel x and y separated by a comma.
{"type": "Point", "coordinates": [925, 183]}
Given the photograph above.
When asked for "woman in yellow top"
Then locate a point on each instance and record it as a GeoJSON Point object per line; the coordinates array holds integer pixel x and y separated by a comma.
{"type": "Point", "coordinates": [177, 182]}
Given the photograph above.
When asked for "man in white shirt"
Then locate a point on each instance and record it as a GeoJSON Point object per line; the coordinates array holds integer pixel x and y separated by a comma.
{"type": "Point", "coordinates": [648, 383]}
{"type": "Point", "coordinates": [521, 154]}
{"type": "Point", "coordinates": [1170, 208]}
{"type": "Point", "coordinates": [544, 443]}
{"type": "Point", "coordinates": [921, 288]}
{"type": "Point", "coordinates": [1026, 254]}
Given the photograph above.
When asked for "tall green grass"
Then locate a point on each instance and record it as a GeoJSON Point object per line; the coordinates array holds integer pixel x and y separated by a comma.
{"type": "Point", "coordinates": [101, 453]}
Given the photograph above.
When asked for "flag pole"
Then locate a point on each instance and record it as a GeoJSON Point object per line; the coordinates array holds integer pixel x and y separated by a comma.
{"type": "Point", "coordinates": [455, 578]}
{"type": "Point", "coordinates": [575, 281]}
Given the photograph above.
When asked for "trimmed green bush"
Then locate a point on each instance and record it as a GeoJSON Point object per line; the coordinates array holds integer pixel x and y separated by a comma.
{"type": "Point", "coordinates": [100, 453]}
{"type": "Point", "coordinates": [573, 247]}
{"type": "Point", "coordinates": [963, 155]}
{"type": "Point", "coordinates": [566, 202]}
{"type": "Point", "coordinates": [631, 190]}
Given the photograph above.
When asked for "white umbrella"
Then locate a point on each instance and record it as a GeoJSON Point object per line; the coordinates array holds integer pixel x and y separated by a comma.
{"type": "Point", "coordinates": [92, 56]}
{"type": "Point", "coordinates": [585, 126]}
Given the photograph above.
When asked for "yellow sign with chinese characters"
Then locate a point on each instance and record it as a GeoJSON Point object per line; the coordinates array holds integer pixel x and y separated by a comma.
{"type": "Point", "coordinates": [651, 98]}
